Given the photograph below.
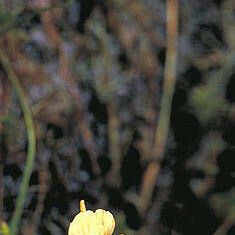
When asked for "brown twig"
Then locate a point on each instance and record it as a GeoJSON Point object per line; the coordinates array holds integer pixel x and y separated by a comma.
{"type": "Point", "coordinates": [113, 120]}
{"type": "Point", "coordinates": [32, 227]}
{"type": "Point", "coordinates": [106, 90]}
{"type": "Point", "coordinates": [114, 144]}
{"type": "Point", "coordinates": [162, 129]}
{"type": "Point", "coordinates": [70, 84]}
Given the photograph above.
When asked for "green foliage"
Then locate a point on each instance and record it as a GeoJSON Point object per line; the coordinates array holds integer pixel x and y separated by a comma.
{"type": "Point", "coordinates": [121, 227]}
{"type": "Point", "coordinates": [8, 19]}
{"type": "Point", "coordinates": [207, 101]}
{"type": "Point", "coordinates": [224, 203]}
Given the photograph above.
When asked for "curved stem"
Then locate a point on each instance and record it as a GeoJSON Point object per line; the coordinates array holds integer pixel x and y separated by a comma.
{"type": "Point", "coordinates": [15, 221]}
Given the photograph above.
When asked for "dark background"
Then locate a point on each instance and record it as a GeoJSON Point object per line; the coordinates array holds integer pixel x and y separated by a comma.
{"type": "Point", "coordinates": [92, 72]}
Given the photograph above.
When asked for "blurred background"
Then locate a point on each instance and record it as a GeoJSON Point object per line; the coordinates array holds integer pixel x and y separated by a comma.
{"type": "Point", "coordinates": [112, 102]}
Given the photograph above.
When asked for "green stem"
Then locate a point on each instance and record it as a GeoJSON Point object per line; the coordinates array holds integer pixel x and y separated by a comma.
{"type": "Point", "coordinates": [15, 221]}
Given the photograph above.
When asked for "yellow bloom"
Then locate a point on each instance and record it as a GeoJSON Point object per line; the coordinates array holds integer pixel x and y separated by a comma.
{"type": "Point", "coordinates": [87, 222]}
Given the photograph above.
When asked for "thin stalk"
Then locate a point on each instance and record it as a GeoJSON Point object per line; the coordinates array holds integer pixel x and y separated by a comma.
{"type": "Point", "coordinates": [169, 78]}
{"type": "Point", "coordinates": [163, 125]}
{"type": "Point", "coordinates": [20, 201]}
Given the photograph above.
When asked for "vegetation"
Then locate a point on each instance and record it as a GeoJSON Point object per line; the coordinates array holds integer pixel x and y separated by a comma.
{"type": "Point", "coordinates": [128, 105]}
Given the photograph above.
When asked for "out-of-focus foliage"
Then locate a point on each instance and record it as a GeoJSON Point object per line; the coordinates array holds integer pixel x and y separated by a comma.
{"type": "Point", "coordinates": [92, 72]}
{"type": "Point", "coordinates": [207, 101]}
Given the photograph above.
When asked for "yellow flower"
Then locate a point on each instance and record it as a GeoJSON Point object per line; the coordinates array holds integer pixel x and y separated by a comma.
{"type": "Point", "coordinates": [87, 222]}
